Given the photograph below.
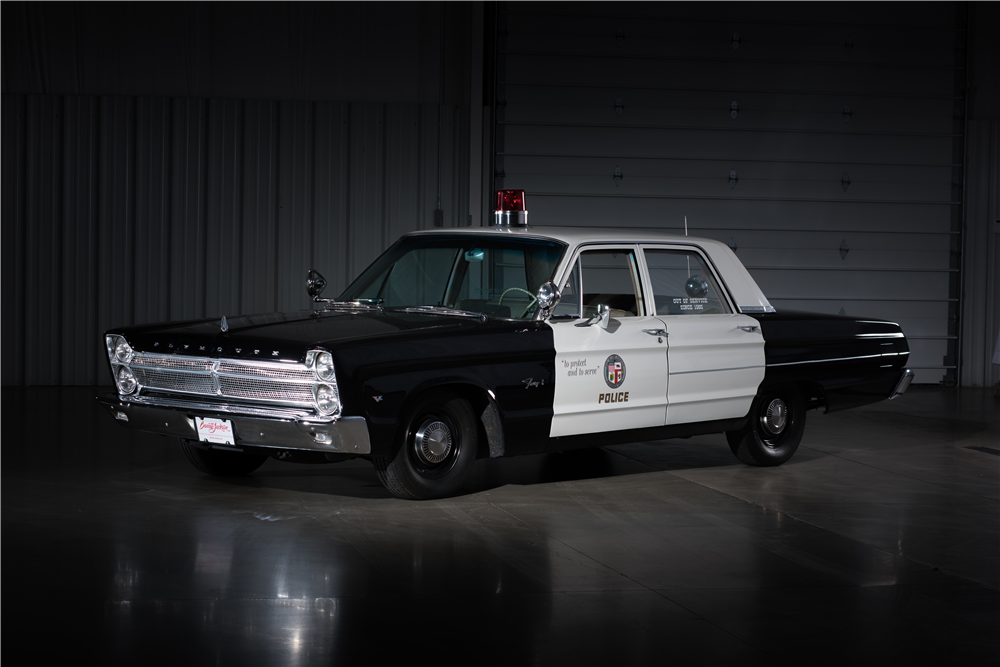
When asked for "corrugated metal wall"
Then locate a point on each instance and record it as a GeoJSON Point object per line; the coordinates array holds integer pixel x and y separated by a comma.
{"type": "Point", "coordinates": [981, 305]}
{"type": "Point", "coordinates": [823, 141]}
{"type": "Point", "coordinates": [122, 210]}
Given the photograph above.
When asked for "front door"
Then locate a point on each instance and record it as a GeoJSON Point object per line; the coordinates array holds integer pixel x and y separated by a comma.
{"type": "Point", "coordinates": [610, 378]}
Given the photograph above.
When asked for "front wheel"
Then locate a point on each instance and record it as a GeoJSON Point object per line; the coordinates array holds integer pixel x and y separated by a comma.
{"type": "Point", "coordinates": [437, 449]}
{"type": "Point", "coordinates": [221, 464]}
{"type": "Point", "coordinates": [774, 430]}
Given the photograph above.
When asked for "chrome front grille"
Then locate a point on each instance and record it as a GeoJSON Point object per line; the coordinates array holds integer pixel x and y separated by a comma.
{"type": "Point", "coordinates": [266, 390]}
{"type": "Point", "coordinates": [262, 382]}
{"type": "Point", "coordinates": [165, 380]}
{"type": "Point", "coordinates": [265, 371]}
{"type": "Point", "coordinates": [174, 363]}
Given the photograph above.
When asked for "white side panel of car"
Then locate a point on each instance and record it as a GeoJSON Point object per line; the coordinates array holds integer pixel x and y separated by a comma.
{"type": "Point", "coordinates": [586, 398]}
{"type": "Point", "coordinates": [714, 366]}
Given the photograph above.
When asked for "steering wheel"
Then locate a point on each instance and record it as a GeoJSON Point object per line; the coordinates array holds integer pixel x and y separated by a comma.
{"type": "Point", "coordinates": [518, 289]}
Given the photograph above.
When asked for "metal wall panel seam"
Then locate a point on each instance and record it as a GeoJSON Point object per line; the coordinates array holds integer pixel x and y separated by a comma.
{"type": "Point", "coordinates": [517, 9]}
{"type": "Point", "coordinates": [852, 269]}
{"type": "Point", "coordinates": [740, 198]}
{"type": "Point", "coordinates": [723, 128]}
{"type": "Point", "coordinates": [739, 91]}
{"type": "Point", "coordinates": [703, 231]}
{"type": "Point", "coordinates": [965, 170]}
{"type": "Point", "coordinates": [861, 298]}
{"type": "Point", "coordinates": [741, 61]}
{"type": "Point", "coordinates": [763, 160]}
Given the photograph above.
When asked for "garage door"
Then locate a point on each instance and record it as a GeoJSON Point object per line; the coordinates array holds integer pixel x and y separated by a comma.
{"type": "Point", "coordinates": [823, 143]}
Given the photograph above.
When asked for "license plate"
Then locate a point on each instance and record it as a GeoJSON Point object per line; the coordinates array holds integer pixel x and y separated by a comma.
{"type": "Point", "coordinates": [215, 430]}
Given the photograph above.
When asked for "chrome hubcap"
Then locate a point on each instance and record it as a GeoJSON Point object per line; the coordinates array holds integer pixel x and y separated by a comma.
{"type": "Point", "coordinates": [433, 441]}
{"type": "Point", "coordinates": [775, 417]}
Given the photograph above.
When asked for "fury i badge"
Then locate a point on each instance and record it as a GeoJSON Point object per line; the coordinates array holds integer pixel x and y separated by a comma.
{"type": "Point", "coordinates": [614, 371]}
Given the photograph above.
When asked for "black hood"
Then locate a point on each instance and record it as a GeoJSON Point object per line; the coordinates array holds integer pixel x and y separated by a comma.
{"type": "Point", "coordinates": [284, 336]}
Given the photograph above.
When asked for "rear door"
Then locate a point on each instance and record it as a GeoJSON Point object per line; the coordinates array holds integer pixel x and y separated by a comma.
{"type": "Point", "coordinates": [715, 355]}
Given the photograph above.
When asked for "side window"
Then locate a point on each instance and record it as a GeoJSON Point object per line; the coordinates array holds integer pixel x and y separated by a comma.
{"type": "Point", "coordinates": [683, 284]}
{"type": "Point", "coordinates": [610, 277]}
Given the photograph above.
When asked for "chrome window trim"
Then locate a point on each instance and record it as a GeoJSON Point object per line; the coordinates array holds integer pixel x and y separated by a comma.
{"type": "Point", "coordinates": [820, 361]}
{"type": "Point", "coordinates": [727, 298]}
{"type": "Point", "coordinates": [715, 370]}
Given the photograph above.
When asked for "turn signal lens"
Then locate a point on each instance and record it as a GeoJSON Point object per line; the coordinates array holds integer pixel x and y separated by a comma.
{"type": "Point", "coordinates": [126, 381]}
{"type": "Point", "coordinates": [324, 366]}
{"type": "Point", "coordinates": [327, 400]}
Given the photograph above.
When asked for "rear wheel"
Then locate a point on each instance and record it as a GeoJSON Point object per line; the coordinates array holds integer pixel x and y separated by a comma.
{"type": "Point", "coordinates": [774, 430]}
{"type": "Point", "coordinates": [437, 449]}
{"type": "Point", "coordinates": [219, 463]}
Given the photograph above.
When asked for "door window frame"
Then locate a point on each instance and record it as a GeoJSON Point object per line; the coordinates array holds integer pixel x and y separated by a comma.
{"type": "Point", "coordinates": [723, 289]}
{"type": "Point", "coordinates": [637, 264]}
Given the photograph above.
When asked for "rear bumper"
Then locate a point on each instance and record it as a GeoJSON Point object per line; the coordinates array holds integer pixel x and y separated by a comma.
{"type": "Point", "coordinates": [274, 428]}
{"type": "Point", "coordinates": [903, 384]}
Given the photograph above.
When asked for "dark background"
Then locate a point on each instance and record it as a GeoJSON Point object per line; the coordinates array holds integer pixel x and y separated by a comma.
{"type": "Point", "coordinates": [181, 160]}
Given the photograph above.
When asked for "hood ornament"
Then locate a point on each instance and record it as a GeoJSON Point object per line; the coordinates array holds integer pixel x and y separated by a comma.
{"type": "Point", "coordinates": [225, 325]}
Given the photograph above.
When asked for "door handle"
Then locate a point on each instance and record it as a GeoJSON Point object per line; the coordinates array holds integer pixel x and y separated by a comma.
{"type": "Point", "coordinates": [748, 328]}
{"type": "Point", "coordinates": [655, 332]}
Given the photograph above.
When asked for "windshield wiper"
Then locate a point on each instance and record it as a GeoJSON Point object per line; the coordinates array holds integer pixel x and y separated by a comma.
{"type": "Point", "coordinates": [362, 304]}
{"type": "Point", "coordinates": [442, 310]}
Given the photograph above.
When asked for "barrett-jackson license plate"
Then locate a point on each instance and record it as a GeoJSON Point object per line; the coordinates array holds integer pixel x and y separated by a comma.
{"type": "Point", "coordinates": [215, 430]}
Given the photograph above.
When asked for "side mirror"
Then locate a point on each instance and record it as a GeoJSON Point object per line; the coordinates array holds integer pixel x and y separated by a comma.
{"type": "Point", "coordinates": [315, 283]}
{"type": "Point", "coordinates": [601, 319]}
{"type": "Point", "coordinates": [603, 315]}
{"type": "Point", "coordinates": [548, 296]}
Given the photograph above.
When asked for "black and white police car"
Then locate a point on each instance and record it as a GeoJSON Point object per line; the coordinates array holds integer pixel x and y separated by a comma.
{"type": "Point", "coordinates": [497, 341]}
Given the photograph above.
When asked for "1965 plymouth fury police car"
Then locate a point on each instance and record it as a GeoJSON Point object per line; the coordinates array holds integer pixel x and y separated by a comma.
{"type": "Point", "coordinates": [484, 342]}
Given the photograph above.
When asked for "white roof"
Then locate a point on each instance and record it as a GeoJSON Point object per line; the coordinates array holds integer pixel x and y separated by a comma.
{"type": "Point", "coordinates": [748, 296]}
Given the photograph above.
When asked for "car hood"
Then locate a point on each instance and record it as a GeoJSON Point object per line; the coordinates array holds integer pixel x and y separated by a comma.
{"type": "Point", "coordinates": [285, 336]}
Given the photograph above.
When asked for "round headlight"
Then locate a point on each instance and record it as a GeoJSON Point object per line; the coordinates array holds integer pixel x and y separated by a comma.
{"type": "Point", "coordinates": [327, 399]}
{"type": "Point", "coordinates": [123, 351]}
{"type": "Point", "coordinates": [324, 366]}
{"type": "Point", "coordinates": [126, 381]}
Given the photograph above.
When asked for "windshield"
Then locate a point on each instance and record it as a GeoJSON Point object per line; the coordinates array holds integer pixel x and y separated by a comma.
{"type": "Point", "coordinates": [492, 275]}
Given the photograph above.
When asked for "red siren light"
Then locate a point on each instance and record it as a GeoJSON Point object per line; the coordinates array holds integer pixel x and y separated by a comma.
{"type": "Point", "coordinates": [510, 209]}
{"type": "Point", "coordinates": [510, 200]}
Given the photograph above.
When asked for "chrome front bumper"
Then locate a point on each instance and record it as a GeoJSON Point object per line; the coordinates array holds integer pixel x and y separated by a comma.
{"type": "Point", "coordinates": [903, 384]}
{"type": "Point", "coordinates": [258, 427]}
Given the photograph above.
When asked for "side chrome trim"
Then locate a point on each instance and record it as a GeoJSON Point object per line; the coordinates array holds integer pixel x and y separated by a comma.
{"type": "Point", "coordinates": [714, 370]}
{"type": "Point", "coordinates": [898, 334]}
{"type": "Point", "coordinates": [820, 361]}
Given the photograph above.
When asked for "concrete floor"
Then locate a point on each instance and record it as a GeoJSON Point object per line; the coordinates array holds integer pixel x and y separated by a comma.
{"type": "Point", "coordinates": [878, 543]}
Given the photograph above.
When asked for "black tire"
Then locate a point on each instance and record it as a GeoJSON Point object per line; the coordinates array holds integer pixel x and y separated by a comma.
{"type": "Point", "coordinates": [436, 449]}
{"type": "Point", "coordinates": [221, 464]}
{"type": "Point", "coordinates": [774, 430]}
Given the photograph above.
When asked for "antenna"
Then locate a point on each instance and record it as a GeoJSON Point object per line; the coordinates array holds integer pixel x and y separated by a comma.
{"type": "Point", "coordinates": [688, 256]}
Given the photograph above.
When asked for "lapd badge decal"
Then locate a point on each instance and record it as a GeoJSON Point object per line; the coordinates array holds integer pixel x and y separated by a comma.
{"type": "Point", "coordinates": [614, 371]}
